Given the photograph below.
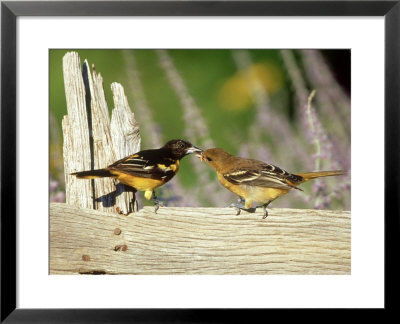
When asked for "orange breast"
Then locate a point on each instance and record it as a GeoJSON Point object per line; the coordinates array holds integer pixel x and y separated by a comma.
{"type": "Point", "coordinates": [141, 184]}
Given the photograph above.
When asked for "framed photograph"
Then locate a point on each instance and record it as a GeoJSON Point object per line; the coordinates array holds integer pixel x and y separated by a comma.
{"type": "Point", "coordinates": [306, 87]}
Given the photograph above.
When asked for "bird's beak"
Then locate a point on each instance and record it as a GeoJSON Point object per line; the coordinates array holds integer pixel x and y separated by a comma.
{"type": "Point", "coordinates": [194, 149]}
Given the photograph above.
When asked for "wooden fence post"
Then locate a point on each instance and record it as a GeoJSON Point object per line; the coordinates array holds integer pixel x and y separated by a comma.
{"type": "Point", "coordinates": [91, 141]}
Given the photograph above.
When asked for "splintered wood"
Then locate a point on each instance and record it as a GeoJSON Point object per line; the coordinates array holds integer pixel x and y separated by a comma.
{"type": "Point", "coordinates": [92, 141]}
{"type": "Point", "coordinates": [199, 241]}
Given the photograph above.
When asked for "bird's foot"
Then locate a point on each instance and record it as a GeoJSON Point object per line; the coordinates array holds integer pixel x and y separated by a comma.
{"type": "Point", "coordinates": [157, 203]}
{"type": "Point", "coordinates": [238, 207]}
{"type": "Point", "coordinates": [265, 212]}
{"type": "Point", "coordinates": [265, 209]}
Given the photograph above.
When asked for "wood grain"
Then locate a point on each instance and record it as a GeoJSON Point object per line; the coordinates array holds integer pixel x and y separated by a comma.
{"type": "Point", "coordinates": [199, 241]}
{"type": "Point", "coordinates": [92, 140]}
{"type": "Point", "coordinates": [125, 136]}
{"type": "Point", "coordinates": [75, 133]}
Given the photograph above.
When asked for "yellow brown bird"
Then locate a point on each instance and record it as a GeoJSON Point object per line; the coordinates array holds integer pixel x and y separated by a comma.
{"type": "Point", "coordinates": [256, 181]}
{"type": "Point", "coordinates": [146, 170]}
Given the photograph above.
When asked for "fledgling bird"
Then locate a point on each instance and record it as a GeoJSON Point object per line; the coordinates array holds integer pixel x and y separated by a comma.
{"type": "Point", "coordinates": [255, 181]}
{"type": "Point", "coordinates": [146, 170]}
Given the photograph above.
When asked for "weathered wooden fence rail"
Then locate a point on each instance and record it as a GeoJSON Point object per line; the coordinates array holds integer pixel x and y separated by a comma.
{"type": "Point", "coordinates": [188, 240]}
{"type": "Point", "coordinates": [175, 240]}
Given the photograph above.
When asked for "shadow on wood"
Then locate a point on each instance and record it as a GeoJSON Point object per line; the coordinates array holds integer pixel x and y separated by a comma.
{"type": "Point", "coordinates": [109, 200]}
{"type": "Point", "coordinates": [188, 240]}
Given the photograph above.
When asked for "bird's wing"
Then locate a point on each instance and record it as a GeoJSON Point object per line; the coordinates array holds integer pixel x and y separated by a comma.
{"type": "Point", "coordinates": [147, 164]}
{"type": "Point", "coordinates": [262, 175]}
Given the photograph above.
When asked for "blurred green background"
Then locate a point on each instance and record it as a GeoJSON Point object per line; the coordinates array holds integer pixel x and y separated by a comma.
{"type": "Point", "coordinates": [252, 103]}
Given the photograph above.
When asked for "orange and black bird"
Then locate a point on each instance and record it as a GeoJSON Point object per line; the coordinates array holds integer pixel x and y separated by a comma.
{"type": "Point", "coordinates": [146, 170]}
{"type": "Point", "coordinates": [255, 181]}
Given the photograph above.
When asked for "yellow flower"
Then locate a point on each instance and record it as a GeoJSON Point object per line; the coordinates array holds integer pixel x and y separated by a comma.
{"type": "Point", "coordinates": [238, 92]}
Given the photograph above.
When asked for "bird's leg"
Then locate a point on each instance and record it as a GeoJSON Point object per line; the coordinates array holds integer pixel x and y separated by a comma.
{"type": "Point", "coordinates": [238, 205]}
{"type": "Point", "coordinates": [265, 208]}
{"type": "Point", "coordinates": [157, 203]}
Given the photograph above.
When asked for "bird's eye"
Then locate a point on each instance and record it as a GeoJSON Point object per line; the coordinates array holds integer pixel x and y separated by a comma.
{"type": "Point", "coordinates": [208, 159]}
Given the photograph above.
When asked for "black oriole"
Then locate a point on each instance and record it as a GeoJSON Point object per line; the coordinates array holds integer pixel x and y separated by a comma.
{"type": "Point", "coordinates": [146, 170]}
{"type": "Point", "coordinates": [255, 181]}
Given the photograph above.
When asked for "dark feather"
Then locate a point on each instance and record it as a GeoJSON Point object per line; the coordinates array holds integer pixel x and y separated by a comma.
{"type": "Point", "coordinates": [263, 175]}
{"type": "Point", "coordinates": [145, 164]}
{"type": "Point", "coordinates": [92, 174]}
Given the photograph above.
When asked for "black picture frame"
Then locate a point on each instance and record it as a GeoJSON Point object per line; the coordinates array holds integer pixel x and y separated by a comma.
{"type": "Point", "coordinates": [10, 10]}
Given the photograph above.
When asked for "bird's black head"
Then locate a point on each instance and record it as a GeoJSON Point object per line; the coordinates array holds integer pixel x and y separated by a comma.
{"type": "Point", "coordinates": [179, 148]}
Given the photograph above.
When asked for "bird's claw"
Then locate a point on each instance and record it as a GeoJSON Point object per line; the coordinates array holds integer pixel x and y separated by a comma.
{"type": "Point", "coordinates": [241, 205]}
{"type": "Point", "coordinates": [265, 209]}
{"type": "Point", "coordinates": [238, 211]}
{"type": "Point", "coordinates": [157, 205]}
{"type": "Point", "coordinates": [238, 207]}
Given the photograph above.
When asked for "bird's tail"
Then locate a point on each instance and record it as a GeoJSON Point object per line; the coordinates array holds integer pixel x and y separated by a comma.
{"type": "Point", "coordinates": [312, 175]}
{"type": "Point", "coordinates": [93, 174]}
